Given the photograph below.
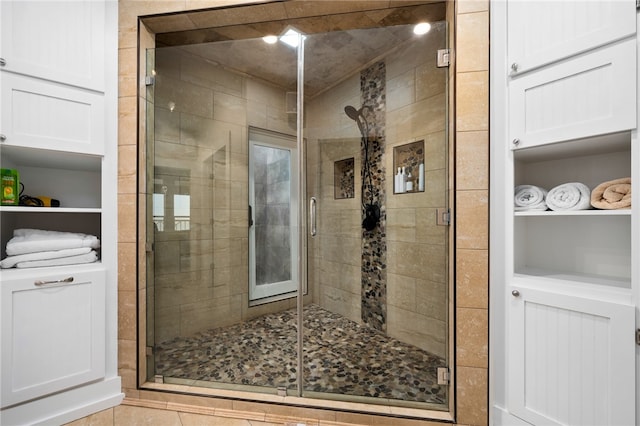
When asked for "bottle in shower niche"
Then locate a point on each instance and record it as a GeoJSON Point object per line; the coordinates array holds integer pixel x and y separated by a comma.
{"type": "Point", "coordinates": [409, 184]}
{"type": "Point", "coordinates": [403, 181]}
{"type": "Point", "coordinates": [421, 177]}
{"type": "Point", "coordinates": [396, 182]}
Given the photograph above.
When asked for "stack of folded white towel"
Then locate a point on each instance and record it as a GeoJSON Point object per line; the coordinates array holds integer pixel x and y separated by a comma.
{"type": "Point", "coordinates": [33, 248]}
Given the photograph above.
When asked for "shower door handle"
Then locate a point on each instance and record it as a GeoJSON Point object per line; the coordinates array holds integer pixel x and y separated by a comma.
{"type": "Point", "coordinates": [312, 216]}
{"type": "Point", "coordinates": [250, 216]}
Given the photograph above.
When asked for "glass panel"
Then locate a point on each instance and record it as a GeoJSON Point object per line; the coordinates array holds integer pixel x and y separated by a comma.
{"type": "Point", "coordinates": [376, 330]}
{"type": "Point", "coordinates": [150, 212]}
{"type": "Point", "coordinates": [198, 169]}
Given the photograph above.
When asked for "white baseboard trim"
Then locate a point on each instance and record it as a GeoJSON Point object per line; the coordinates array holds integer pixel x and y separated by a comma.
{"type": "Point", "coordinates": [65, 407]}
{"type": "Point", "coordinates": [501, 417]}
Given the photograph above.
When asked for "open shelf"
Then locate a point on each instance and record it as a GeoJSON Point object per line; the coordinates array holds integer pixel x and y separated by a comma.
{"type": "Point", "coordinates": [594, 212]}
{"type": "Point", "coordinates": [603, 144]}
{"type": "Point", "coordinates": [23, 209]}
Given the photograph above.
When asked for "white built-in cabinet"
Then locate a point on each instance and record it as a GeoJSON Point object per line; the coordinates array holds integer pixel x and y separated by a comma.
{"type": "Point", "coordinates": [564, 285]}
{"type": "Point", "coordinates": [58, 128]}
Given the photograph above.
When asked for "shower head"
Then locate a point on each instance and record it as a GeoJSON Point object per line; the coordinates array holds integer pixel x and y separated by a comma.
{"type": "Point", "coordinates": [352, 113]}
{"type": "Point", "coordinates": [358, 116]}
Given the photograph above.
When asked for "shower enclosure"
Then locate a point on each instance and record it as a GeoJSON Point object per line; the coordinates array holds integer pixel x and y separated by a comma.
{"type": "Point", "coordinates": [296, 192]}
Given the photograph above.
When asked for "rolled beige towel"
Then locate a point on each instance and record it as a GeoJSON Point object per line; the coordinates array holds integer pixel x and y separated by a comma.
{"type": "Point", "coordinates": [611, 195]}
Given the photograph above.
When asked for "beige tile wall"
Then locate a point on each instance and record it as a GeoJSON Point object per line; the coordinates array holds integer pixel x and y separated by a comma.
{"type": "Point", "coordinates": [471, 194]}
{"type": "Point", "coordinates": [416, 245]}
{"type": "Point", "coordinates": [472, 209]}
{"type": "Point", "coordinates": [416, 305]}
{"type": "Point", "coordinates": [335, 261]}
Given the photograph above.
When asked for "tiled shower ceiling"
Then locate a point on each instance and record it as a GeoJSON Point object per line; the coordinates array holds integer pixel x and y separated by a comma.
{"type": "Point", "coordinates": [348, 44]}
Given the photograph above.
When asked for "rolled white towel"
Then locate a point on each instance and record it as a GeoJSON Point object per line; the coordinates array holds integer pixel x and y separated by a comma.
{"type": "Point", "coordinates": [530, 197]}
{"type": "Point", "coordinates": [569, 196]}
{"type": "Point", "coordinates": [35, 240]}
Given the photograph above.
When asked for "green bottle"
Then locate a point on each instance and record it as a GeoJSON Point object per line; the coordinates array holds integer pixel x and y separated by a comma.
{"type": "Point", "coordinates": [10, 182]}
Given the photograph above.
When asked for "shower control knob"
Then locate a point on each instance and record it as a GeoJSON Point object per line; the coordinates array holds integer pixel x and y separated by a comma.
{"type": "Point", "coordinates": [515, 293]}
{"type": "Point", "coordinates": [2, 138]}
{"type": "Point", "coordinates": [515, 142]}
{"type": "Point", "coordinates": [514, 67]}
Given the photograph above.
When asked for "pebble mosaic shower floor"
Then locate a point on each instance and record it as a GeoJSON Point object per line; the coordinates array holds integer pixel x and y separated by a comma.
{"type": "Point", "coordinates": [340, 357]}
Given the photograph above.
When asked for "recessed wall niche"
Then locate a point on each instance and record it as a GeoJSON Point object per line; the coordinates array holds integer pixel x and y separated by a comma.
{"type": "Point", "coordinates": [408, 168]}
{"type": "Point", "coordinates": [344, 179]}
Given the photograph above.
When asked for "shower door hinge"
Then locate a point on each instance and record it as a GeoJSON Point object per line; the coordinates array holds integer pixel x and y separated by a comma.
{"type": "Point", "coordinates": [444, 377]}
{"type": "Point", "coordinates": [443, 217]}
{"type": "Point", "coordinates": [149, 80]}
{"type": "Point", "coordinates": [638, 332]}
{"type": "Point", "coordinates": [444, 58]}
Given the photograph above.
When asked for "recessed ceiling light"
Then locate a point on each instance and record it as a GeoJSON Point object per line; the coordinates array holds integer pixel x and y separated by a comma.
{"type": "Point", "coordinates": [421, 28]}
{"type": "Point", "coordinates": [291, 37]}
{"type": "Point", "coordinates": [270, 39]}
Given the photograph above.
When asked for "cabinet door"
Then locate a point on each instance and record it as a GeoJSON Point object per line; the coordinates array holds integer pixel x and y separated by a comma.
{"type": "Point", "coordinates": [53, 335]}
{"type": "Point", "coordinates": [586, 96]}
{"type": "Point", "coordinates": [541, 32]}
{"type": "Point", "coordinates": [42, 114]}
{"type": "Point", "coordinates": [571, 359]}
{"type": "Point", "coordinates": [61, 41]}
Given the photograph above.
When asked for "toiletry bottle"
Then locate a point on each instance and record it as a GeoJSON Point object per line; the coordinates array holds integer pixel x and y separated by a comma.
{"type": "Point", "coordinates": [409, 185]}
{"type": "Point", "coordinates": [10, 182]}
{"type": "Point", "coordinates": [396, 182]}
{"type": "Point", "coordinates": [403, 181]}
{"type": "Point", "coordinates": [421, 177]}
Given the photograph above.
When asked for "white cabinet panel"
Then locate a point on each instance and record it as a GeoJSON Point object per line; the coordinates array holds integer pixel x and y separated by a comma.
{"type": "Point", "coordinates": [53, 335]}
{"type": "Point", "coordinates": [61, 41]}
{"type": "Point", "coordinates": [541, 32]}
{"type": "Point", "coordinates": [572, 359]}
{"type": "Point", "coordinates": [586, 96]}
{"type": "Point", "coordinates": [40, 114]}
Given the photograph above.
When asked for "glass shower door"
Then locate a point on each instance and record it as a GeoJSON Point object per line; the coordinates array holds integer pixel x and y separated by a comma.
{"type": "Point", "coordinates": [376, 330]}
{"type": "Point", "coordinates": [206, 328]}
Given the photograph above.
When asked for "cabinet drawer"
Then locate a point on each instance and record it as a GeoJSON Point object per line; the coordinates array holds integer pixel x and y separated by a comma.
{"type": "Point", "coordinates": [53, 335]}
{"type": "Point", "coordinates": [590, 95]}
{"type": "Point", "coordinates": [41, 114]}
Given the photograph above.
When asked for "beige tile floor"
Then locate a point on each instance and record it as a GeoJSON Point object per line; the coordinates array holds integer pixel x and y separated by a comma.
{"type": "Point", "coordinates": [125, 415]}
